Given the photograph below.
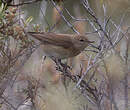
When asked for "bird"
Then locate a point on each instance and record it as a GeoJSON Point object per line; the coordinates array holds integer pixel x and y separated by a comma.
{"type": "Point", "coordinates": [61, 46]}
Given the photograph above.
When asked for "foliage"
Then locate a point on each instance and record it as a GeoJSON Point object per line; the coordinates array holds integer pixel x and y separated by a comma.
{"type": "Point", "coordinates": [13, 39]}
{"type": "Point", "coordinates": [95, 74]}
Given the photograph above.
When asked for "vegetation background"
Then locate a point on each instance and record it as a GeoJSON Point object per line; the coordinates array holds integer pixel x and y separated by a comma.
{"type": "Point", "coordinates": [100, 76]}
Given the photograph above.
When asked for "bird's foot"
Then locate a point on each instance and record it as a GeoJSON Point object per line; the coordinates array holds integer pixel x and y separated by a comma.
{"type": "Point", "coordinates": [60, 64]}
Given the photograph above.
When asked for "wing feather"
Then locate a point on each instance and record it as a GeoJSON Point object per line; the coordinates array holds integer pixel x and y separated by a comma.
{"type": "Point", "coordinates": [54, 39]}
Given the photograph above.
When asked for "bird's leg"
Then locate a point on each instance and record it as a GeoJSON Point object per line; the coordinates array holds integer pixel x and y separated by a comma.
{"type": "Point", "coordinates": [64, 65]}
{"type": "Point", "coordinates": [59, 64]}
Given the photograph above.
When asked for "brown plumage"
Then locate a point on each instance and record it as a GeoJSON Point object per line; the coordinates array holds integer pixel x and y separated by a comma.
{"type": "Point", "coordinates": [61, 45]}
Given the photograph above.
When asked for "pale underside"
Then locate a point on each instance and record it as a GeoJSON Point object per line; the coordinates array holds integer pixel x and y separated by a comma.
{"type": "Point", "coordinates": [58, 52]}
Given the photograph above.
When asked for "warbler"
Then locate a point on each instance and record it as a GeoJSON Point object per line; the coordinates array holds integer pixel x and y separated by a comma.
{"type": "Point", "coordinates": [61, 46]}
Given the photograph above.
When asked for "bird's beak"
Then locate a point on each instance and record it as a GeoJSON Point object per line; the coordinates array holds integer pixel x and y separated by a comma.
{"type": "Point", "coordinates": [90, 41]}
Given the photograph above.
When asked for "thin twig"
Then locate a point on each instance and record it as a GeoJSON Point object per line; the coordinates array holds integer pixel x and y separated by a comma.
{"type": "Point", "coordinates": [63, 17]}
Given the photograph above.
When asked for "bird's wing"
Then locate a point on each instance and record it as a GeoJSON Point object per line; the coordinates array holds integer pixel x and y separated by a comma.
{"type": "Point", "coordinates": [53, 38]}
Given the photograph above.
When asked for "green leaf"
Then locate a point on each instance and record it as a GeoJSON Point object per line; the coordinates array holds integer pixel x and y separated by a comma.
{"type": "Point", "coordinates": [1, 8]}
{"type": "Point", "coordinates": [29, 20]}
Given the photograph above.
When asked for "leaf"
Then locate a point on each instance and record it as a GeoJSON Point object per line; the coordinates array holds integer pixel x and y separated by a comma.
{"type": "Point", "coordinates": [1, 8]}
{"type": "Point", "coordinates": [29, 20]}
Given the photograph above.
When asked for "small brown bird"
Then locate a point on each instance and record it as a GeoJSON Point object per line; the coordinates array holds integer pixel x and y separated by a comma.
{"type": "Point", "coordinates": [61, 46]}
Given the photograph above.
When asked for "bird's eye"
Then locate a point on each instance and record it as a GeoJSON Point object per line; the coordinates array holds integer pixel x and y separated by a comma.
{"type": "Point", "coordinates": [81, 40]}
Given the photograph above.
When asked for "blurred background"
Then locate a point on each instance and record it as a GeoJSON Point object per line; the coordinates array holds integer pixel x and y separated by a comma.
{"type": "Point", "coordinates": [39, 77]}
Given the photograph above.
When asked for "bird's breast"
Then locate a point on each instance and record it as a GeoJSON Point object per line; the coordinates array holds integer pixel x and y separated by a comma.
{"type": "Point", "coordinates": [59, 52]}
